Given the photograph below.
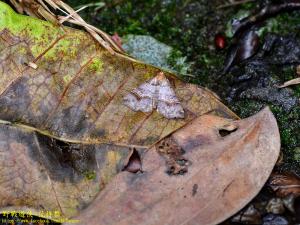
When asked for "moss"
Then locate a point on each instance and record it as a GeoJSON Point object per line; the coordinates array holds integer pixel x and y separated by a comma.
{"type": "Point", "coordinates": [41, 33]}
{"type": "Point", "coordinates": [246, 108]}
{"type": "Point", "coordinates": [289, 127]}
{"type": "Point", "coordinates": [178, 62]}
{"type": "Point", "coordinates": [90, 175]}
{"type": "Point", "coordinates": [297, 154]}
{"type": "Point", "coordinates": [242, 13]}
{"type": "Point", "coordinates": [285, 23]}
{"type": "Point", "coordinates": [67, 78]}
{"type": "Point", "coordinates": [67, 47]}
{"type": "Point", "coordinates": [96, 65]}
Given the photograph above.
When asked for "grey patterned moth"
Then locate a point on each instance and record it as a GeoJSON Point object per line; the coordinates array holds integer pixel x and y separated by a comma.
{"type": "Point", "coordinates": [158, 94]}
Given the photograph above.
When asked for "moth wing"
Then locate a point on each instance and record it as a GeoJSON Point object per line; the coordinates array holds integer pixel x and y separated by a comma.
{"type": "Point", "coordinates": [146, 90]}
{"type": "Point", "coordinates": [166, 93]}
{"type": "Point", "coordinates": [168, 104]}
{"type": "Point", "coordinates": [170, 111]}
{"type": "Point", "coordinates": [138, 104]}
{"type": "Point", "coordinates": [142, 98]}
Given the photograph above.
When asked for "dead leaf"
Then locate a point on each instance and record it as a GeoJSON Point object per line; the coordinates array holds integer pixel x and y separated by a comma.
{"type": "Point", "coordinates": [76, 93]}
{"type": "Point", "coordinates": [118, 40]}
{"type": "Point", "coordinates": [275, 206]}
{"type": "Point", "coordinates": [223, 174]}
{"type": "Point", "coordinates": [41, 173]}
{"type": "Point", "coordinates": [244, 46]}
{"type": "Point", "coordinates": [285, 184]}
{"type": "Point", "coordinates": [250, 215]}
{"type": "Point", "coordinates": [290, 82]}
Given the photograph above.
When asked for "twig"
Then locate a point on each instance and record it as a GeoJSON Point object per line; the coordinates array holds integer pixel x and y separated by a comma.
{"type": "Point", "coordinates": [290, 82]}
{"type": "Point", "coordinates": [97, 5]}
{"type": "Point", "coordinates": [70, 15]}
{"type": "Point", "coordinates": [234, 4]}
{"type": "Point", "coordinates": [40, 9]}
{"type": "Point", "coordinates": [265, 13]}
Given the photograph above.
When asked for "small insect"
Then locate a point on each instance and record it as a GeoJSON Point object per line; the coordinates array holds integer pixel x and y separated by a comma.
{"type": "Point", "coordinates": [155, 94]}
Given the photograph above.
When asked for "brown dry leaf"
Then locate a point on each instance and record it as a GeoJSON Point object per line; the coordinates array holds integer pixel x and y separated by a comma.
{"type": "Point", "coordinates": [249, 215]}
{"type": "Point", "coordinates": [72, 101]}
{"type": "Point", "coordinates": [285, 184]}
{"type": "Point", "coordinates": [290, 82]}
{"type": "Point", "coordinates": [223, 174]}
{"type": "Point", "coordinates": [41, 173]}
{"type": "Point", "coordinates": [77, 91]}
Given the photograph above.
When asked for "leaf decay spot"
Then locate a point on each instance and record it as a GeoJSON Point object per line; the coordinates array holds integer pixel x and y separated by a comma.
{"type": "Point", "coordinates": [195, 189]}
{"type": "Point", "coordinates": [172, 153]}
{"type": "Point", "coordinates": [134, 163]}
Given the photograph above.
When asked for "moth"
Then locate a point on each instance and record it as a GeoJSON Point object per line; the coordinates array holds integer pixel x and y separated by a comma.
{"type": "Point", "coordinates": [158, 94]}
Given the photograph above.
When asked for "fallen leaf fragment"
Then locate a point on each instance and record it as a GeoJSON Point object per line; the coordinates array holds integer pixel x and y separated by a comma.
{"type": "Point", "coordinates": [250, 215]}
{"type": "Point", "coordinates": [117, 39]}
{"type": "Point", "coordinates": [77, 92]}
{"type": "Point", "coordinates": [285, 184]}
{"type": "Point", "coordinates": [223, 175]}
{"type": "Point", "coordinates": [38, 172]}
{"type": "Point", "coordinates": [289, 202]}
{"type": "Point", "coordinates": [244, 46]}
{"type": "Point", "coordinates": [275, 206]}
{"type": "Point", "coordinates": [290, 82]}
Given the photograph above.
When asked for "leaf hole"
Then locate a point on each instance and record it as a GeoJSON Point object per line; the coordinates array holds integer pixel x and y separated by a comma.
{"type": "Point", "coordinates": [225, 132]}
{"type": "Point", "coordinates": [134, 163]}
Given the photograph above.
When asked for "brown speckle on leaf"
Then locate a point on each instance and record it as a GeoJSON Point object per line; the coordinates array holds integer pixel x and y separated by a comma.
{"type": "Point", "coordinates": [173, 154]}
{"type": "Point", "coordinates": [195, 189]}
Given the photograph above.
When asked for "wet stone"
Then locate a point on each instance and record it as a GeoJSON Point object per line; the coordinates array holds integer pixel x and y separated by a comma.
{"type": "Point", "coordinates": [271, 219]}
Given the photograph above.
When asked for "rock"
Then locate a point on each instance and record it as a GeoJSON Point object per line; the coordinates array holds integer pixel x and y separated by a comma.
{"type": "Point", "coordinates": [150, 50]}
{"type": "Point", "coordinates": [271, 219]}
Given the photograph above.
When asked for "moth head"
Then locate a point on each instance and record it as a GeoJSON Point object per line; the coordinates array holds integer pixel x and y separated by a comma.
{"type": "Point", "coordinates": [161, 76]}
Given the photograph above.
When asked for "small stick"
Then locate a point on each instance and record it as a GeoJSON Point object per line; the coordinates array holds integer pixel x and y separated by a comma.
{"type": "Point", "coordinates": [234, 4]}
